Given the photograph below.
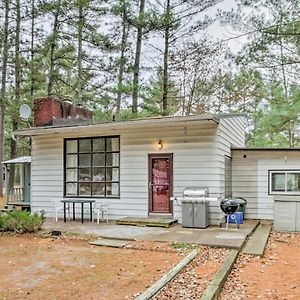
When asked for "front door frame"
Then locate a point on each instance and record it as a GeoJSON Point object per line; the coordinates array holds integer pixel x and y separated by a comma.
{"type": "Point", "coordinates": [152, 156]}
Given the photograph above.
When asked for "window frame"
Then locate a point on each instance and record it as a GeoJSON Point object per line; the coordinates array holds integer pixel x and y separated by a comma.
{"type": "Point", "coordinates": [285, 172]}
{"type": "Point", "coordinates": [228, 175]}
{"type": "Point", "coordinates": [91, 138]}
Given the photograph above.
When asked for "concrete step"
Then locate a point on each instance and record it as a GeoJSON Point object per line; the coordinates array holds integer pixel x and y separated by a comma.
{"type": "Point", "coordinates": [160, 216]}
{"type": "Point", "coordinates": [257, 242]}
{"type": "Point", "coordinates": [110, 243]}
{"type": "Point", "coordinates": [151, 222]}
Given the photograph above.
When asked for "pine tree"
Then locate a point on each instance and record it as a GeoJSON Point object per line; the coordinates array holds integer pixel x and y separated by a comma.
{"type": "Point", "coordinates": [153, 103]}
{"type": "Point", "coordinates": [5, 49]}
{"type": "Point", "coordinates": [273, 49]}
{"type": "Point", "coordinates": [121, 10]}
{"type": "Point", "coordinates": [138, 49]}
{"type": "Point", "coordinates": [178, 24]}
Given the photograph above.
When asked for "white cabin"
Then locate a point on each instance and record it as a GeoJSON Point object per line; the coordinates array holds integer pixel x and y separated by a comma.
{"type": "Point", "coordinates": [136, 166]}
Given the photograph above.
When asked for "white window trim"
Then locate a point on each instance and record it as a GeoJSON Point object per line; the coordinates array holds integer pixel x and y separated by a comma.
{"type": "Point", "coordinates": [285, 172]}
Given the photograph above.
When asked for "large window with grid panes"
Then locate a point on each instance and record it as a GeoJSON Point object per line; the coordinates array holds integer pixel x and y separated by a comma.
{"type": "Point", "coordinates": [92, 167]}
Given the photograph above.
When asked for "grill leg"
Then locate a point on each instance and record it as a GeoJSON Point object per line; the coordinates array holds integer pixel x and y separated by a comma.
{"type": "Point", "coordinates": [227, 221]}
{"type": "Point", "coordinates": [73, 211]}
{"type": "Point", "coordinates": [238, 226]}
{"type": "Point", "coordinates": [91, 211]}
{"type": "Point", "coordinates": [65, 217]}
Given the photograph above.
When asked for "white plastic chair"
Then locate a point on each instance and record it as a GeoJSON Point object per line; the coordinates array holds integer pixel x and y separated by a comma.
{"type": "Point", "coordinates": [102, 209]}
{"type": "Point", "coordinates": [58, 206]}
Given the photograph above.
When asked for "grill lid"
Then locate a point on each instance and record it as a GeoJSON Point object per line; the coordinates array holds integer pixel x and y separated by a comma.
{"type": "Point", "coordinates": [229, 206]}
{"type": "Point", "coordinates": [195, 192]}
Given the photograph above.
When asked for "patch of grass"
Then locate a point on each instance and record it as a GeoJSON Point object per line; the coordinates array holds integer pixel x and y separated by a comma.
{"type": "Point", "coordinates": [67, 235]}
{"type": "Point", "coordinates": [72, 234]}
{"type": "Point", "coordinates": [21, 221]}
{"type": "Point", "coordinates": [45, 234]}
{"type": "Point", "coordinates": [182, 246]}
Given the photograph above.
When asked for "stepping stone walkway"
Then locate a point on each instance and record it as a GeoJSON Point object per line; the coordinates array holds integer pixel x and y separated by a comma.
{"type": "Point", "coordinates": [257, 242]}
{"type": "Point", "coordinates": [110, 243]}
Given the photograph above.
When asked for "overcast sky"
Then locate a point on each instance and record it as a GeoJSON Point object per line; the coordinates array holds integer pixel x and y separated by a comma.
{"type": "Point", "coordinates": [221, 32]}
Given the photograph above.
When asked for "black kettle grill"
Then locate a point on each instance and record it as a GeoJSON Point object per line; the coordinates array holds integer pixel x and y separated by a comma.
{"type": "Point", "coordinates": [229, 207]}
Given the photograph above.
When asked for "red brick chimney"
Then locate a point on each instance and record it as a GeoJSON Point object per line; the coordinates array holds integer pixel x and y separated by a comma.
{"type": "Point", "coordinates": [50, 111]}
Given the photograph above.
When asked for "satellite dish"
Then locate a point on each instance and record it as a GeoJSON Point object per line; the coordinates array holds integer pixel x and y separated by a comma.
{"type": "Point", "coordinates": [25, 111]}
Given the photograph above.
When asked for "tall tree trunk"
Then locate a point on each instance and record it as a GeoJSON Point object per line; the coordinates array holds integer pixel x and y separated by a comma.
{"type": "Point", "coordinates": [52, 49]}
{"type": "Point", "coordinates": [17, 75]}
{"type": "Point", "coordinates": [32, 81]}
{"type": "Point", "coordinates": [184, 100]}
{"type": "Point", "coordinates": [15, 123]}
{"type": "Point", "coordinates": [166, 57]}
{"type": "Point", "coordinates": [285, 87]}
{"type": "Point", "coordinates": [136, 67]}
{"type": "Point", "coordinates": [122, 61]}
{"type": "Point", "coordinates": [79, 58]}
{"type": "Point", "coordinates": [3, 86]}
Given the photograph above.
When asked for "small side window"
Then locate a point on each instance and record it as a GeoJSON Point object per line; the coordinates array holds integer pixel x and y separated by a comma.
{"type": "Point", "coordinates": [284, 182]}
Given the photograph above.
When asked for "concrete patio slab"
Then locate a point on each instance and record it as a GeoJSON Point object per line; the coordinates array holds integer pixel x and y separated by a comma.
{"type": "Point", "coordinates": [211, 236]}
{"type": "Point", "coordinates": [105, 230]}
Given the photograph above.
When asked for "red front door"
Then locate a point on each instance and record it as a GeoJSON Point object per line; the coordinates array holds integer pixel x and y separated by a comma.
{"type": "Point", "coordinates": [160, 182]}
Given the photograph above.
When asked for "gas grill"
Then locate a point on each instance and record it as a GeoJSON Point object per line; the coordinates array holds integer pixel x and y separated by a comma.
{"type": "Point", "coordinates": [194, 202]}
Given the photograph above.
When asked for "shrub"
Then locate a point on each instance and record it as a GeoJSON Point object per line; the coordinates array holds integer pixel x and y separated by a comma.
{"type": "Point", "coordinates": [21, 221]}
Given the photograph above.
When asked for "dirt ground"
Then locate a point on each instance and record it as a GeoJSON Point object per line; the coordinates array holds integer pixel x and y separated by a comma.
{"type": "Point", "coordinates": [194, 279]}
{"type": "Point", "coordinates": [33, 267]}
{"type": "Point", "coordinates": [276, 276]}
{"type": "Point", "coordinates": [46, 268]}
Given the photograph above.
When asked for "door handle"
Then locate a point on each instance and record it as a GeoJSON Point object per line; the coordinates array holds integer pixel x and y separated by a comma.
{"type": "Point", "coordinates": [190, 211]}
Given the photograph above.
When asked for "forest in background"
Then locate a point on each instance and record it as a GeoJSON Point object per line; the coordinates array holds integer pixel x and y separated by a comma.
{"type": "Point", "coordinates": [143, 58]}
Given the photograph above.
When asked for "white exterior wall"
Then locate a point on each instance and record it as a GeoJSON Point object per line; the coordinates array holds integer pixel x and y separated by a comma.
{"type": "Point", "coordinates": [250, 178]}
{"type": "Point", "coordinates": [231, 135]}
{"type": "Point", "coordinates": [195, 163]}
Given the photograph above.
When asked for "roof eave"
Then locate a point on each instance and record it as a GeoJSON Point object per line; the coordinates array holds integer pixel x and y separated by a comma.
{"type": "Point", "coordinates": [116, 125]}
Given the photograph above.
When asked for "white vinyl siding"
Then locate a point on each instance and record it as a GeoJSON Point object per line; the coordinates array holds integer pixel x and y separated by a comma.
{"type": "Point", "coordinates": [251, 178]}
{"type": "Point", "coordinates": [231, 135]}
{"type": "Point", "coordinates": [195, 164]}
{"type": "Point", "coordinates": [286, 213]}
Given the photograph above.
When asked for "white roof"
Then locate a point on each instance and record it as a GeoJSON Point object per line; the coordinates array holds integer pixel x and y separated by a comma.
{"type": "Point", "coordinates": [18, 160]}
{"type": "Point", "coordinates": [117, 125]}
